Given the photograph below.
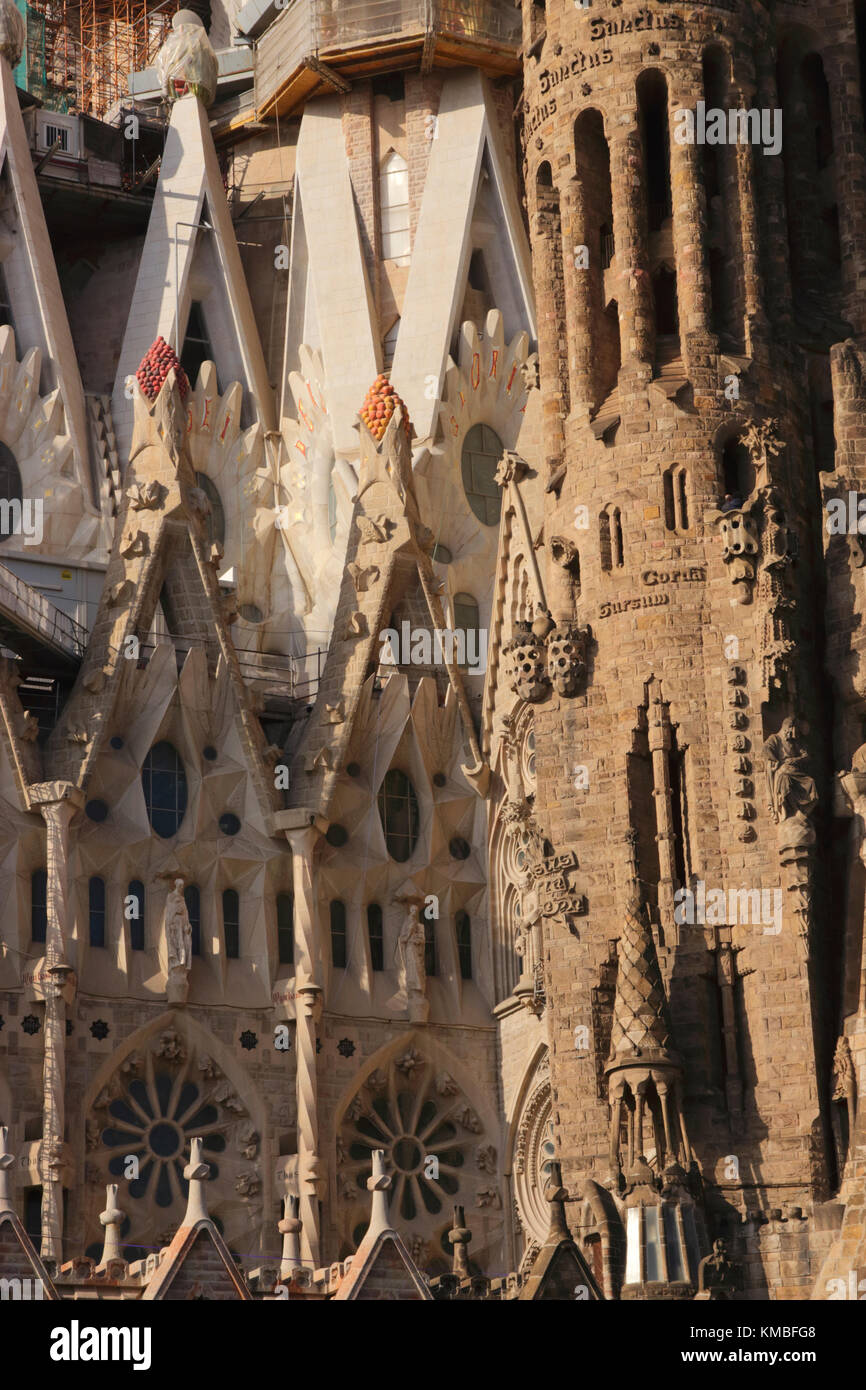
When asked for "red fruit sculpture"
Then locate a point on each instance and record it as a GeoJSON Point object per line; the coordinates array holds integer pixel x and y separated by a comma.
{"type": "Point", "coordinates": [156, 364]}
{"type": "Point", "coordinates": [379, 405]}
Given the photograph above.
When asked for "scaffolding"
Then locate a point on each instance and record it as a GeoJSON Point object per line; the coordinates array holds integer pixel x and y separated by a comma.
{"type": "Point", "coordinates": [79, 52]}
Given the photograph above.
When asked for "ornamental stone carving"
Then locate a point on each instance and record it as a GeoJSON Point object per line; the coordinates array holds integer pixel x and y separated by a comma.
{"type": "Point", "coordinates": [793, 793]}
{"type": "Point", "coordinates": [566, 658]}
{"type": "Point", "coordinates": [178, 940]}
{"type": "Point", "coordinates": [526, 664]}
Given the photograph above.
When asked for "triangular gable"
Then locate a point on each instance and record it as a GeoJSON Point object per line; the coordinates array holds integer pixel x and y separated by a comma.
{"type": "Point", "coordinates": [18, 1257]}
{"type": "Point", "coordinates": [383, 1269]}
{"type": "Point", "coordinates": [464, 155]}
{"type": "Point", "coordinates": [388, 550]}
{"type": "Point", "coordinates": [181, 263]}
{"type": "Point", "coordinates": [197, 1265]}
{"type": "Point", "coordinates": [330, 306]}
{"type": "Point", "coordinates": [560, 1272]}
{"type": "Point", "coordinates": [30, 271]}
{"type": "Point", "coordinates": [161, 530]}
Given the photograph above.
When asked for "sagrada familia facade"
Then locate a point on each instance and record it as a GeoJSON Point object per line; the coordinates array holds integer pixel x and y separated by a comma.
{"type": "Point", "coordinates": [432, 763]}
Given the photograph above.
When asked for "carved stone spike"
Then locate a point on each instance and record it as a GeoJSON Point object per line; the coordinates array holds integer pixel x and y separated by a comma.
{"type": "Point", "coordinates": [147, 497]}
{"type": "Point", "coordinates": [363, 576]}
{"type": "Point", "coordinates": [136, 544]}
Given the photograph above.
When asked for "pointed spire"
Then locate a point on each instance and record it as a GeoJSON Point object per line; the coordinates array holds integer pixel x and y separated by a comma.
{"type": "Point", "coordinates": [290, 1230]}
{"type": "Point", "coordinates": [7, 1161]}
{"type": "Point", "coordinates": [112, 1220]}
{"type": "Point", "coordinates": [459, 1237]}
{"type": "Point", "coordinates": [640, 1013]}
{"type": "Point", "coordinates": [196, 1173]}
{"type": "Point", "coordinates": [378, 1183]}
{"type": "Point", "coordinates": [557, 1196]}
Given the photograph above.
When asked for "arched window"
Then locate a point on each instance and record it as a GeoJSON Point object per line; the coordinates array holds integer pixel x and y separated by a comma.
{"type": "Point", "coordinates": [38, 905]}
{"type": "Point", "coordinates": [652, 96]}
{"type": "Point", "coordinates": [738, 470]}
{"type": "Point", "coordinates": [96, 909]}
{"type": "Point", "coordinates": [286, 928]}
{"type": "Point", "coordinates": [482, 450]}
{"type": "Point", "coordinates": [165, 792]}
{"type": "Point", "coordinates": [192, 898]}
{"type": "Point", "coordinates": [463, 928]}
{"type": "Point", "coordinates": [467, 623]}
{"type": "Point", "coordinates": [394, 206]}
{"type": "Point", "coordinates": [10, 491]}
{"type": "Point", "coordinates": [676, 499]}
{"type": "Point", "coordinates": [216, 520]}
{"type": "Point", "coordinates": [231, 923]}
{"type": "Point", "coordinates": [430, 961]}
{"type": "Point", "coordinates": [398, 811]}
{"type": "Point", "coordinates": [338, 934]}
{"type": "Point", "coordinates": [332, 509]}
{"type": "Point", "coordinates": [134, 913]}
{"type": "Point", "coordinates": [376, 936]}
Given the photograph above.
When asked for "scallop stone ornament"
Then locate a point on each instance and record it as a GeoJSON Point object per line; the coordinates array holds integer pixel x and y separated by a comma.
{"type": "Point", "coordinates": [12, 32]}
{"type": "Point", "coordinates": [186, 62]}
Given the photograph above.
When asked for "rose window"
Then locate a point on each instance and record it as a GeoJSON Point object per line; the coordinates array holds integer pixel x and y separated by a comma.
{"type": "Point", "coordinates": [154, 1120]}
{"type": "Point", "coordinates": [425, 1126]}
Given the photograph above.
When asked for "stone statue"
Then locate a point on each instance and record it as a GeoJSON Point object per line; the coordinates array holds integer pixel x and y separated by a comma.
{"type": "Point", "coordinates": [793, 793]}
{"type": "Point", "coordinates": [411, 968]}
{"type": "Point", "coordinates": [178, 937]}
{"type": "Point", "coordinates": [718, 1277]}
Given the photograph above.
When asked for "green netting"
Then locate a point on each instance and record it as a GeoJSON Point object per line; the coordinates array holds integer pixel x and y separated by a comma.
{"type": "Point", "coordinates": [31, 73]}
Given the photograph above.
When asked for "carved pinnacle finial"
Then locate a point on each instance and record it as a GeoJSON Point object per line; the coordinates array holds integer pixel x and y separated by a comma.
{"type": "Point", "coordinates": [459, 1237]}
{"type": "Point", "coordinates": [112, 1220]}
{"type": "Point", "coordinates": [196, 1173]}
{"type": "Point", "coordinates": [378, 1183]}
{"type": "Point", "coordinates": [290, 1230]}
{"type": "Point", "coordinates": [557, 1196]}
{"type": "Point", "coordinates": [7, 1160]}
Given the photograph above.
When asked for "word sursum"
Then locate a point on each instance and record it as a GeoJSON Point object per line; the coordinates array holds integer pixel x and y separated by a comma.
{"type": "Point", "coordinates": [421, 647]}
{"type": "Point", "coordinates": [732, 127]}
{"type": "Point", "coordinates": [713, 907]}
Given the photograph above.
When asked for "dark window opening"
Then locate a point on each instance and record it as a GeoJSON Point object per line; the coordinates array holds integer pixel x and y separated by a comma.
{"type": "Point", "coordinates": [738, 470]}
{"type": "Point", "coordinates": [192, 898]}
{"type": "Point", "coordinates": [286, 928]}
{"type": "Point", "coordinates": [39, 905]}
{"type": "Point", "coordinates": [338, 934]}
{"type": "Point", "coordinates": [391, 85]}
{"type": "Point", "coordinates": [375, 936]}
{"type": "Point", "coordinates": [665, 301]}
{"type": "Point", "coordinates": [398, 811]}
{"type": "Point", "coordinates": [231, 923]}
{"type": "Point", "coordinates": [96, 910]}
{"type": "Point", "coordinates": [165, 790]}
{"type": "Point", "coordinates": [653, 106]}
{"type": "Point", "coordinates": [430, 962]}
{"type": "Point", "coordinates": [135, 914]}
{"type": "Point", "coordinates": [11, 490]}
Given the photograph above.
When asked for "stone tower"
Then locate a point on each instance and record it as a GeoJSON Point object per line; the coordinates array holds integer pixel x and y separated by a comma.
{"type": "Point", "coordinates": [688, 294]}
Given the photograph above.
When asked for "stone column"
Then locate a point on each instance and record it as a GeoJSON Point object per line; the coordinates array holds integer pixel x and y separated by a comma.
{"type": "Point", "coordinates": [694, 296]}
{"type": "Point", "coordinates": [309, 1012]}
{"type": "Point", "coordinates": [578, 298]}
{"type": "Point", "coordinates": [550, 302]}
{"type": "Point", "coordinates": [659, 737]}
{"type": "Point", "coordinates": [57, 802]}
{"type": "Point", "coordinates": [848, 158]}
{"type": "Point", "coordinates": [634, 290]}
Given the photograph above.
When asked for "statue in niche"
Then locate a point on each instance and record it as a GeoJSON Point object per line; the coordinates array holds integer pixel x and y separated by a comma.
{"type": "Point", "coordinates": [411, 968]}
{"type": "Point", "coordinates": [178, 937]}
{"type": "Point", "coordinates": [793, 793]}
{"type": "Point", "coordinates": [719, 1278]}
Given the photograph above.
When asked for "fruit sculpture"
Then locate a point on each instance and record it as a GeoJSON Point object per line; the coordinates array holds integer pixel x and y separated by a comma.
{"type": "Point", "coordinates": [156, 364]}
{"type": "Point", "coordinates": [379, 405]}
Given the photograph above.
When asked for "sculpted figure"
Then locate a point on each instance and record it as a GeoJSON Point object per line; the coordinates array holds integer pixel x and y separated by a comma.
{"type": "Point", "coordinates": [793, 792]}
{"type": "Point", "coordinates": [718, 1277]}
{"type": "Point", "coordinates": [178, 933]}
{"type": "Point", "coordinates": [411, 971]}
